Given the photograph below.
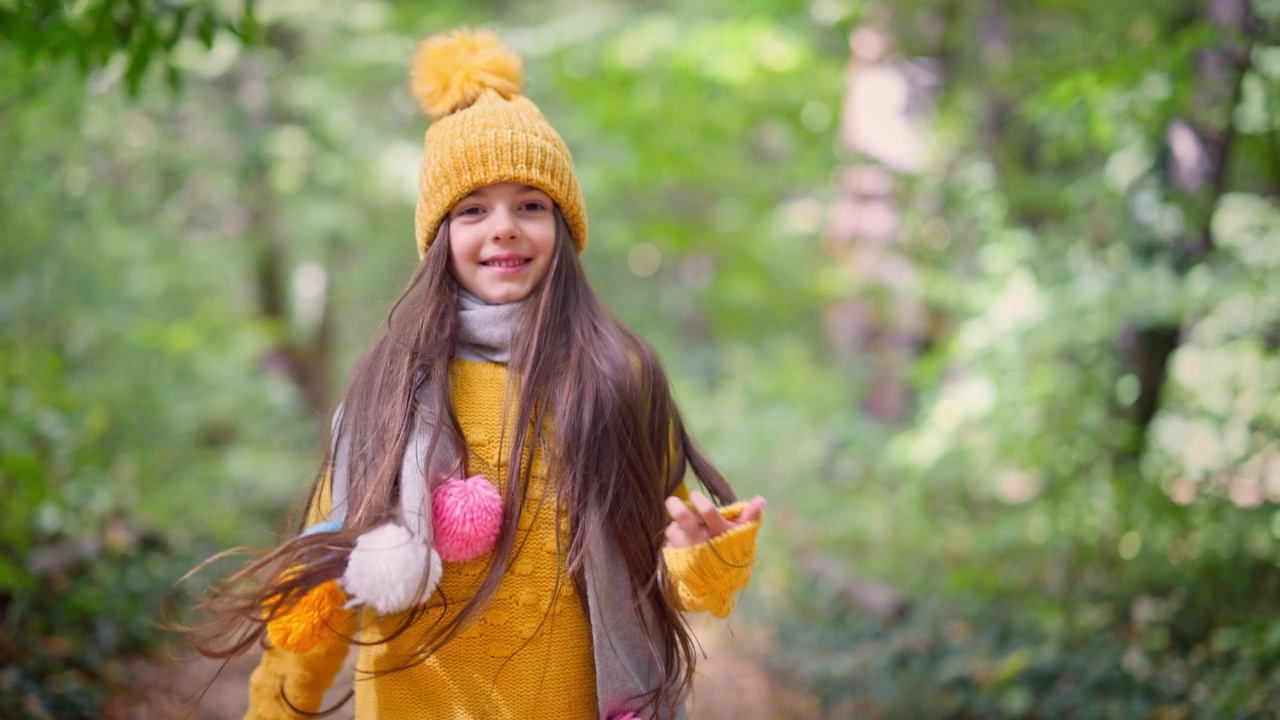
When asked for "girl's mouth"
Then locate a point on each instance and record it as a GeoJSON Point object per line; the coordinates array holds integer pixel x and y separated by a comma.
{"type": "Point", "coordinates": [509, 262]}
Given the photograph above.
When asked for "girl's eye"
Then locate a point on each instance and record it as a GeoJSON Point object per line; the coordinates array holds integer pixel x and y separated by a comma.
{"type": "Point", "coordinates": [534, 205]}
{"type": "Point", "coordinates": [470, 210]}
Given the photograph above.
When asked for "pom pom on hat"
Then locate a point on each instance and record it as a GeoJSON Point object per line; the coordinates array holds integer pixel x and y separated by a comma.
{"type": "Point", "coordinates": [304, 624]}
{"type": "Point", "coordinates": [386, 569]}
{"type": "Point", "coordinates": [451, 71]}
{"type": "Point", "coordinates": [466, 515]}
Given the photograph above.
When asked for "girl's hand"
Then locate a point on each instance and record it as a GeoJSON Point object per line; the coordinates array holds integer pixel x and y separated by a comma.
{"type": "Point", "coordinates": [688, 529]}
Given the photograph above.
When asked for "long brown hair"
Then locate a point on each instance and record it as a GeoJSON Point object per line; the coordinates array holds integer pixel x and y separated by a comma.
{"type": "Point", "coordinates": [618, 448]}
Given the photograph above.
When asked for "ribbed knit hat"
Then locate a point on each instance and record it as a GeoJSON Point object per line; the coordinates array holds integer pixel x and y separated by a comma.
{"type": "Point", "coordinates": [484, 132]}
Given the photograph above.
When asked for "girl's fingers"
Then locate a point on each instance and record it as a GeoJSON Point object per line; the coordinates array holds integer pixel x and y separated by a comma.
{"type": "Point", "coordinates": [688, 523]}
{"type": "Point", "coordinates": [752, 511]}
{"type": "Point", "coordinates": [688, 529]}
{"type": "Point", "coordinates": [675, 508]}
{"type": "Point", "coordinates": [709, 513]}
{"type": "Point", "coordinates": [676, 537]}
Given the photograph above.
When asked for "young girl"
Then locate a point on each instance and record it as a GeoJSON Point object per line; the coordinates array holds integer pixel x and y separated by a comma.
{"type": "Point", "coordinates": [501, 522]}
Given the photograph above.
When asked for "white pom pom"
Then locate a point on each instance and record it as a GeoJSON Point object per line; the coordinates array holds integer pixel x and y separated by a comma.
{"type": "Point", "coordinates": [386, 567]}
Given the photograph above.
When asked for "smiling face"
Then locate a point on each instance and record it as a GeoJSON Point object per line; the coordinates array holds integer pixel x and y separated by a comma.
{"type": "Point", "coordinates": [501, 241]}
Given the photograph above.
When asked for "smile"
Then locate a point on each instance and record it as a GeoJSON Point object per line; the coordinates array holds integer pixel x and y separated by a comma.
{"type": "Point", "coordinates": [507, 263]}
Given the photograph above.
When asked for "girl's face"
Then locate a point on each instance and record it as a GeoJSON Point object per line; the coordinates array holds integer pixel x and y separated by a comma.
{"type": "Point", "coordinates": [501, 240]}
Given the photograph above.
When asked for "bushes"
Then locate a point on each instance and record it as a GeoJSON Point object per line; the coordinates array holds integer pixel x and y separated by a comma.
{"type": "Point", "coordinates": [75, 613]}
{"type": "Point", "coordinates": [1033, 656]}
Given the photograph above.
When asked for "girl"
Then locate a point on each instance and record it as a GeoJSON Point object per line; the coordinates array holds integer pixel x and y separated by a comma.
{"type": "Point", "coordinates": [501, 522]}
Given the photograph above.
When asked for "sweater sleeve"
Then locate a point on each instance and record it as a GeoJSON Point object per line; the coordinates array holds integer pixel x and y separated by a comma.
{"type": "Point", "coordinates": [707, 576]}
{"type": "Point", "coordinates": [285, 678]}
{"type": "Point", "coordinates": [300, 679]}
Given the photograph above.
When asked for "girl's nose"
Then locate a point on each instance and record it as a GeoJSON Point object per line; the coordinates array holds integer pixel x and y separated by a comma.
{"type": "Point", "coordinates": [504, 223]}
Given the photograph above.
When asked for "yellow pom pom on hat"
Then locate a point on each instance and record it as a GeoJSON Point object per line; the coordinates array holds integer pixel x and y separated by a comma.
{"type": "Point", "coordinates": [484, 131]}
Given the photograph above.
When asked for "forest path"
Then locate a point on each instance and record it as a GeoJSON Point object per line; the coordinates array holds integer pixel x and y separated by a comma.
{"type": "Point", "coordinates": [732, 682]}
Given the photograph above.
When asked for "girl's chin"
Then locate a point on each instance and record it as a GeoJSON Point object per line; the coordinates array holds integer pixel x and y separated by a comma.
{"type": "Point", "coordinates": [502, 296]}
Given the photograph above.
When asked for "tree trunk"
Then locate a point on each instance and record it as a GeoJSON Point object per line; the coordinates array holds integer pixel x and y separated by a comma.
{"type": "Point", "coordinates": [882, 323]}
{"type": "Point", "coordinates": [303, 355]}
{"type": "Point", "coordinates": [1197, 170]}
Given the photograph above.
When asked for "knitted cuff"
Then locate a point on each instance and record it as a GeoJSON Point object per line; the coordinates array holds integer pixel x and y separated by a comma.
{"type": "Point", "coordinates": [302, 677]}
{"type": "Point", "coordinates": [707, 576]}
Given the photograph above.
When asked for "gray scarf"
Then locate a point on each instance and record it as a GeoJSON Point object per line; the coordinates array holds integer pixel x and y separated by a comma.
{"type": "Point", "coordinates": [625, 668]}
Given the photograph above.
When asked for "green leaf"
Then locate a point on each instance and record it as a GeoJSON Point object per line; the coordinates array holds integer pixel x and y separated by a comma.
{"type": "Point", "coordinates": [207, 29]}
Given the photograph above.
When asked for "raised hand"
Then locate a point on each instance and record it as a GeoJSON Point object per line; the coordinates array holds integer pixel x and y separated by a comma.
{"type": "Point", "coordinates": [692, 528]}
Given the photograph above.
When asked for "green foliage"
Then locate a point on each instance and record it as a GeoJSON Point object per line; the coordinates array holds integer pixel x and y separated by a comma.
{"type": "Point", "coordinates": [130, 442]}
{"type": "Point", "coordinates": [70, 634]}
{"type": "Point", "coordinates": [963, 658]}
{"type": "Point", "coordinates": [1057, 575]}
{"type": "Point", "coordinates": [167, 258]}
{"type": "Point", "coordinates": [133, 34]}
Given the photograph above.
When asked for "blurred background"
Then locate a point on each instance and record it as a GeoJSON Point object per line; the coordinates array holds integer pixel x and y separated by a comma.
{"type": "Point", "coordinates": [983, 296]}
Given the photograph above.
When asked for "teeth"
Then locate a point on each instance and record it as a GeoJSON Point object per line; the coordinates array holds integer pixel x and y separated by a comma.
{"type": "Point", "coordinates": [504, 263]}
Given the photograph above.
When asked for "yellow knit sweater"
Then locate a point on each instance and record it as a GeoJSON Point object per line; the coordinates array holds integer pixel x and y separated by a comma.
{"type": "Point", "coordinates": [529, 653]}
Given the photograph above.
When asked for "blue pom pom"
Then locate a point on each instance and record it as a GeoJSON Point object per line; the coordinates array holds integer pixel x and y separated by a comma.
{"type": "Point", "coordinates": [323, 527]}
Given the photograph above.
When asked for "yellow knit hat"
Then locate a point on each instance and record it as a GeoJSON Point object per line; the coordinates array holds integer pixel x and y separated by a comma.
{"type": "Point", "coordinates": [484, 132]}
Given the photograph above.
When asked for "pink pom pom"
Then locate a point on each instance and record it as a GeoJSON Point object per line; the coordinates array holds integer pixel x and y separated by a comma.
{"type": "Point", "coordinates": [616, 709]}
{"type": "Point", "coordinates": [467, 515]}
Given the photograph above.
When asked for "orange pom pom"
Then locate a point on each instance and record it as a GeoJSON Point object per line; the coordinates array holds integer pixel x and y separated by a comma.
{"type": "Point", "coordinates": [303, 626]}
{"type": "Point", "coordinates": [450, 72]}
